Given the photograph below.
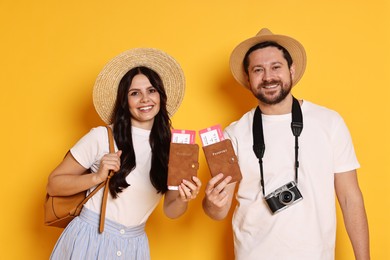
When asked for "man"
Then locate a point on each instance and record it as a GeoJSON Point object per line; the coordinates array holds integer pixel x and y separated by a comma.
{"type": "Point", "coordinates": [286, 198]}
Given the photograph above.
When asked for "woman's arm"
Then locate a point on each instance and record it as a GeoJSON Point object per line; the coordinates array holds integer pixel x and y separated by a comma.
{"type": "Point", "coordinates": [69, 177]}
{"type": "Point", "coordinates": [176, 202]}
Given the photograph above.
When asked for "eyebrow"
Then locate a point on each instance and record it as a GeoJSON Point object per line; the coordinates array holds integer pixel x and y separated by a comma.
{"type": "Point", "coordinates": [138, 89]}
{"type": "Point", "coordinates": [272, 64]}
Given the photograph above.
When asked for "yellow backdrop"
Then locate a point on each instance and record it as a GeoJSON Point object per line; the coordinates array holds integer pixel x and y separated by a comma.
{"type": "Point", "coordinates": [52, 51]}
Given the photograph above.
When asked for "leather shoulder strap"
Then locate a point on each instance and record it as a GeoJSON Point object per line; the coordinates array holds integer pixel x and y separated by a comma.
{"type": "Point", "coordinates": [106, 183]}
{"type": "Point", "coordinates": [101, 185]}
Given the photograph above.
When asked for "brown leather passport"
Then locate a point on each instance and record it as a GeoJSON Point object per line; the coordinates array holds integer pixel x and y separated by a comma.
{"type": "Point", "coordinates": [183, 163]}
{"type": "Point", "coordinates": [221, 158]}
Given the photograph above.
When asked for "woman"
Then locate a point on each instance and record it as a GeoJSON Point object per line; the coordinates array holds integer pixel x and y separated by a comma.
{"type": "Point", "coordinates": [135, 93]}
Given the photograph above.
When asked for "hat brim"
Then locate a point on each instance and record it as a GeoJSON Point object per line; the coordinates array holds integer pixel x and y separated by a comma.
{"type": "Point", "coordinates": [295, 49]}
{"type": "Point", "coordinates": [106, 85]}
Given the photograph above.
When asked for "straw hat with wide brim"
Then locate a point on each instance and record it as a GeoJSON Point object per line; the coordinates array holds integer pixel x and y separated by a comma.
{"type": "Point", "coordinates": [295, 49]}
{"type": "Point", "coordinates": [106, 85]}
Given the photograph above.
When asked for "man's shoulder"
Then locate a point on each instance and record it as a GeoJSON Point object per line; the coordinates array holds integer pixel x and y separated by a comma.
{"type": "Point", "coordinates": [243, 123]}
{"type": "Point", "coordinates": [318, 110]}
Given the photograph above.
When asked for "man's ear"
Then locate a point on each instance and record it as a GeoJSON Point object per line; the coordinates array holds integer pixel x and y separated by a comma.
{"type": "Point", "coordinates": [292, 71]}
{"type": "Point", "coordinates": [248, 81]}
{"type": "Point", "coordinates": [247, 77]}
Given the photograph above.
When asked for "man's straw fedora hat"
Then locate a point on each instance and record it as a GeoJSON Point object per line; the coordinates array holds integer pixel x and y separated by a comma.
{"type": "Point", "coordinates": [295, 49]}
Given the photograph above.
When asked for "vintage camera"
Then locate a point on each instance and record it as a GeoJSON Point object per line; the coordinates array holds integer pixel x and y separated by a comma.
{"type": "Point", "coordinates": [283, 197]}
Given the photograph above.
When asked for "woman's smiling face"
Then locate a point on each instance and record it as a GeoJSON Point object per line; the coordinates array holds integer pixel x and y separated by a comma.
{"type": "Point", "coordinates": [144, 102]}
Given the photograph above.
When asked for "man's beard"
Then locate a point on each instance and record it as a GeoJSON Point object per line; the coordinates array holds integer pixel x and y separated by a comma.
{"type": "Point", "coordinates": [283, 93]}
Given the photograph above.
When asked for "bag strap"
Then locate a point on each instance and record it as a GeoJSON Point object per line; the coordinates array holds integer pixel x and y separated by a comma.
{"type": "Point", "coordinates": [101, 185]}
{"type": "Point", "coordinates": [106, 183]}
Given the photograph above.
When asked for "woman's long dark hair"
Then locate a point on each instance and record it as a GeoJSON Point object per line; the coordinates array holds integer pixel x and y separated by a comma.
{"type": "Point", "coordinates": [159, 139]}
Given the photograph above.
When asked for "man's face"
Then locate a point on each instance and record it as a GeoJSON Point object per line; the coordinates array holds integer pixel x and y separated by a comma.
{"type": "Point", "coordinates": [269, 77]}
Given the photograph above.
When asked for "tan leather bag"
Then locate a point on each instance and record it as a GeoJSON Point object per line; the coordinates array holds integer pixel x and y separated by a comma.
{"type": "Point", "coordinates": [60, 210]}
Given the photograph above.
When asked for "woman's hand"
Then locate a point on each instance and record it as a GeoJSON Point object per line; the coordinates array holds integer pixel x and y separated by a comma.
{"type": "Point", "coordinates": [109, 162]}
{"type": "Point", "coordinates": [188, 190]}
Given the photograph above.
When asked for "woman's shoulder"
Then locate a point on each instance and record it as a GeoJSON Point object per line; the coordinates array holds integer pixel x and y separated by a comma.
{"type": "Point", "coordinates": [91, 147]}
{"type": "Point", "coordinates": [95, 134]}
{"type": "Point", "coordinates": [99, 130]}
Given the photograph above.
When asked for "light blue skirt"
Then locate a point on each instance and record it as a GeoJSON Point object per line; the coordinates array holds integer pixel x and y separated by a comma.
{"type": "Point", "coordinates": [81, 240]}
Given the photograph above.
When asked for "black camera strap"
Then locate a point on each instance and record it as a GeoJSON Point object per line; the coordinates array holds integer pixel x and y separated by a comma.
{"type": "Point", "coordinates": [258, 137]}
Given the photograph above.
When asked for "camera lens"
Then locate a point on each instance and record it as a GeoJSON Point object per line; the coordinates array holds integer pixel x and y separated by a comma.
{"type": "Point", "coordinates": [286, 197]}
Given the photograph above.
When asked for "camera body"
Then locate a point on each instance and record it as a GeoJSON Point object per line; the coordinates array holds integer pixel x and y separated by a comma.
{"type": "Point", "coordinates": [283, 197]}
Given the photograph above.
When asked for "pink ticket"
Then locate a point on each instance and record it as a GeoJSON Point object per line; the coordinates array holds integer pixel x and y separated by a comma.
{"type": "Point", "coordinates": [183, 136]}
{"type": "Point", "coordinates": [211, 135]}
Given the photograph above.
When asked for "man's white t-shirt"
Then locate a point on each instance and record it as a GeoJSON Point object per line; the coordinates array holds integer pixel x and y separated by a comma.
{"type": "Point", "coordinates": [307, 229]}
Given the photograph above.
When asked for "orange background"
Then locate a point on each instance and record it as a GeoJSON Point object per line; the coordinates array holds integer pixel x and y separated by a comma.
{"type": "Point", "coordinates": [52, 51]}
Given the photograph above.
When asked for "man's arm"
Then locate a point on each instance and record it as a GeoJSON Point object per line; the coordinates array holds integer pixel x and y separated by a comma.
{"type": "Point", "coordinates": [355, 219]}
{"type": "Point", "coordinates": [218, 200]}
